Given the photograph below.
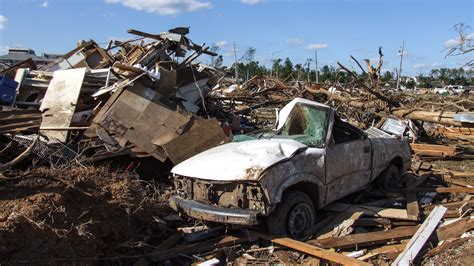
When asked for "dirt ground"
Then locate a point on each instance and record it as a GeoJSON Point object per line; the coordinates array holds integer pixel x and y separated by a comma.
{"type": "Point", "coordinates": [90, 215]}
{"type": "Point", "coordinates": [78, 215]}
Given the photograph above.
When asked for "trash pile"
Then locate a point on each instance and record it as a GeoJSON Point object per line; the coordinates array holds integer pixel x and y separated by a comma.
{"type": "Point", "coordinates": [87, 142]}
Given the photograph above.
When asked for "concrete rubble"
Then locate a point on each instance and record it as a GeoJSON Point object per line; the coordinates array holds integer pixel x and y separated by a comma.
{"type": "Point", "coordinates": [103, 126]}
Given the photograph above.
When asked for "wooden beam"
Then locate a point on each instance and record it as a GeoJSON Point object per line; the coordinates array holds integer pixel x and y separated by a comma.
{"type": "Point", "coordinates": [382, 222]}
{"type": "Point", "coordinates": [383, 250]}
{"type": "Point", "coordinates": [423, 233]}
{"type": "Point", "coordinates": [438, 190]}
{"type": "Point", "coordinates": [369, 210]}
{"type": "Point", "coordinates": [366, 239]}
{"type": "Point", "coordinates": [413, 207]}
{"type": "Point", "coordinates": [457, 182]}
{"type": "Point", "coordinates": [312, 250]}
{"type": "Point", "coordinates": [452, 205]}
{"type": "Point", "coordinates": [446, 245]}
{"type": "Point", "coordinates": [455, 229]}
{"type": "Point", "coordinates": [432, 150]}
{"type": "Point", "coordinates": [344, 219]}
{"type": "Point", "coordinates": [454, 173]}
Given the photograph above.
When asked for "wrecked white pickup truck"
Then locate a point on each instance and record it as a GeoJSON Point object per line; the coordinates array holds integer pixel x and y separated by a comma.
{"type": "Point", "coordinates": [312, 159]}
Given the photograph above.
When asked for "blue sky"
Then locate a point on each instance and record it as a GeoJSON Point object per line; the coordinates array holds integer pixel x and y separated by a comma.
{"type": "Point", "coordinates": [278, 28]}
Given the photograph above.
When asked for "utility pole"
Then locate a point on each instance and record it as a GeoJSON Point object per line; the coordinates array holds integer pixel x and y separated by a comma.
{"type": "Point", "coordinates": [308, 65]}
{"type": "Point", "coordinates": [235, 67]}
{"type": "Point", "coordinates": [400, 68]}
{"type": "Point", "coordinates": [316, 61]}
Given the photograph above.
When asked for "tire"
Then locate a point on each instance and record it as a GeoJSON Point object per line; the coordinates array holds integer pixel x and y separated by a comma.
{"type": "Point", "coordinates": [390, 177]}
{"type": "Point", "coordinates": [292, 216]}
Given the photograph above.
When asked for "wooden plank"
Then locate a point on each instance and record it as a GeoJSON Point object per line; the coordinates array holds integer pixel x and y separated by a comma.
{"type": "Point", "coordinates": [59, 102]}
{"type": "Point", "coordinates": [312, 250]}
{"type": "Point", "coordinates": [366, 239]}
{"type": "Point", "coordinates": [382, 222]}
{"type": "Point", "coordinates": [224, 241]}
{"type": "Point", "coordinates": [328, 229]}
{"type": "Point", "coordinates": [413, 207]}
{"type": "Point", "coordinates": [452, 205]}
{"type": "Point", "coordinates": [433, 149]}
{"type": "Point", "coordinates": [446, 245]}
{"type": "Point", "coordinates": [369, 210]}
{"type": "Point", "coordinates": [455, 229]}
{"type": "Point", "coordinates": [438, 190]}
{"type": "Point", "coordinates": [422, 235]}
{"type": "Point", "coordinates": [454, 173]}
{"type": "Point", "coordinates": [448, 214]}
{"type": "Point", "coordinates": [458, 182]}
{"type": "Point", "coordinates": [383, 250]}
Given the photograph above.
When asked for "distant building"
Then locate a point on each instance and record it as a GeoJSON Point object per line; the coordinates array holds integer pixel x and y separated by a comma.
{"type": "Point", "coordinates": [17, 55]}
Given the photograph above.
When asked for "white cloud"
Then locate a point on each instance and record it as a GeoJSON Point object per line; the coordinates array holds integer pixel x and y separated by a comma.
{"type": "Point", "coordinates": [317, 46]}
{"type": "Point", "coordinates": [164, 7]}
{"type": "Point", "coordinates": [294, 42]}
{"type": "Point", "coordinates": [428, 66]}
{"type": "Point", "coordinates": [453, 42]}
{"type": "Point", "coordinates": [420, 66]}
{"type": "Point", "coordinates": [3, 22]}
{"type": "Point", "coordinates": [221, 44]}
{"type": "Point", "coordinates": [44, 4]}
{"type": "Point", "coordinates": [251, 2]}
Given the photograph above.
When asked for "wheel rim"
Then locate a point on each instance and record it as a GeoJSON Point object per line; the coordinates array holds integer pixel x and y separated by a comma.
{"type": "Point", "coordinates": [299, 220]}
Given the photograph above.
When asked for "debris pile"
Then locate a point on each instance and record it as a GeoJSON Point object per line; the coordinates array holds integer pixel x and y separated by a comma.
{"type": "Point", "coordinates": [137, 101]}
{"type": "Point", "coordinates": [143, 105]}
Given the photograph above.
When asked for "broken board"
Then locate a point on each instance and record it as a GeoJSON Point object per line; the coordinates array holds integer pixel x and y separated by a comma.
{"type": "Point", "coordinates": [59, 102]}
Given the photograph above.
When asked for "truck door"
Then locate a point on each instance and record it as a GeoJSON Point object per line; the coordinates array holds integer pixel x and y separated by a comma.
{"type": "Point", "coordinates": [348, 161]}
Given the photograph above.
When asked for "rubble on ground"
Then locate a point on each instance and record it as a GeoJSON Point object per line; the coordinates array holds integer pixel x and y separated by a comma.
{"type": "Point", "coordinates": [87, 142]}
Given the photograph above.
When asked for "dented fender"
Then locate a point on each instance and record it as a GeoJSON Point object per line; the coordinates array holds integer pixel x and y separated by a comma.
{"type": "Point", "coordinates": [306, 166]}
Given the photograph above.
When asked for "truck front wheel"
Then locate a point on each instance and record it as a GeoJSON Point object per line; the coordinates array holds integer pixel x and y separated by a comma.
{"type": "Point", "coordinates": [292, 216]}
{"type": "Point", "coordinates": [390, 177]}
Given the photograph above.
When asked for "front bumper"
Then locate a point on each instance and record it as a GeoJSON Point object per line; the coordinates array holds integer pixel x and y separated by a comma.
{"type": "Point", "coordinates": [206, 212]}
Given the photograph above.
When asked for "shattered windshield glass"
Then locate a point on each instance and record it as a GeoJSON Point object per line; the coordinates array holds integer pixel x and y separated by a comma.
{"type": "Point", "coordinates": [305, 124]}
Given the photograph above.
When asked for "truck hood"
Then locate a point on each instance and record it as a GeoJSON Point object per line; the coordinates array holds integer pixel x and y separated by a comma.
{"type": "Point", "coordinates": [244, 160]}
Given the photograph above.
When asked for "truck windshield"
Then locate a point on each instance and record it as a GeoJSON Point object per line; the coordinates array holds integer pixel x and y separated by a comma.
{"type": "Point", "coordinates": [305, 124]}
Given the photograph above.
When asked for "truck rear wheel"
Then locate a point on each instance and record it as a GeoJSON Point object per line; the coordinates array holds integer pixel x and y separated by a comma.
{"type": "Point", "coordinates": [390, 177]}
{"type": "Point", "coordinates": [292, 216]}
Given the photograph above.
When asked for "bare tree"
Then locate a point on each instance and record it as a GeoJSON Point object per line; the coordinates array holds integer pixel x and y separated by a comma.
{"type": "Point", "coordinates": [463, 44]}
